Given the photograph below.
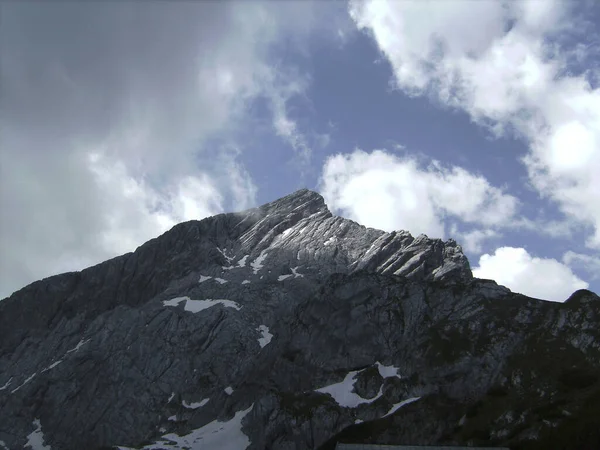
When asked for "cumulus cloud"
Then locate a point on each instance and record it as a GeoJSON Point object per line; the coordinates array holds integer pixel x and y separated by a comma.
{"type": "Point", "coordinates": [509, 66]}
{"type": "Point", "coordinates": [108, 111]}
{"type": "Point", "coordinates": [472, 241]}
{"type": "Point", "coordinates": [389, 192]}
{"type": "Point", "coordinates": [516, 269]}
{"type": "Point", "coordinates": [586, 263]}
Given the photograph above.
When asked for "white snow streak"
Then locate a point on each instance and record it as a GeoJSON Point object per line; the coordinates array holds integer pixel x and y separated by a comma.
{"type": "Point", "coordinates": [294, 269]}
{"type": "Point", "coordinates": [195, 306]}
{"type": "Point", "coordinates": [203, 279]}
{"type": "Point", "coordinates": [331, 240]}
{"type": "Point", "coordinates": [246, 282]}
{"type": "Point", "coordinates": [52, 366]}
{"type": "Point", "coordinates": [284, 277]}
{"type": "Point", "coordinates": [78, 346]}
{"type": "Point", "coordinates": [242, 262]}
{"type": "Point", "coordinates": [397, 406]}
{"type": "Point", "coordinates": [220, 280]}
{"type": "Point", "coordinates": [286, 232]}
{"type": "Point", "coordinates": [23, 384]}
{"type": "Point", "coordinates": [6, 384]}
{"type": "Point", "coordinates": [214, 435]}
{"type": "Point", "coordinates": [173, 418]}
{"type": "Point", "coordinates": [342, 392]}
{"type": "Point", "coordinates": [195, 405]}
{"type": "Point", "coordinates": [223, 252]}
{"type": "Point", "coordinates": [266, 336]}
{"type": "Point", "coordinates": [35, 440]}
{"type": "Point", "coordinates": [171, 397]}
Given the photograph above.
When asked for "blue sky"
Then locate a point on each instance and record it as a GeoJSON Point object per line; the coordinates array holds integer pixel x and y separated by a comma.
{"type": "Point", "coordinates": [478, 121]}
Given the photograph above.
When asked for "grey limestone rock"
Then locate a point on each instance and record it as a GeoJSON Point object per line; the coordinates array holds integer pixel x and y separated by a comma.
{"type": "Point", "coordinates": [286, 327]}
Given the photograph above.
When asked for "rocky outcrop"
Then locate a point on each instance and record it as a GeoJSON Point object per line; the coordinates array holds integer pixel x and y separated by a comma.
{"type": "Point", "coordinates": [285, 327]}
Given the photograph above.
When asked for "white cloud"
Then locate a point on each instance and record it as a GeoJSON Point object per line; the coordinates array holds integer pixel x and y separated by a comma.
{"type": "Point", "coordinates": [472, 241]}
{"type": "Point", "coordinates": [589, 264]}
{"type": "Point", "coordinates": [507, 65]}
{"type": "Point", "coordinates": [521, 272]}
{"type": "Point", "coordinates": [286, 127]}
{"type": "Point", "coordinates": [385, 191]}
{"type": "Point", "coordinates": [104, 139]}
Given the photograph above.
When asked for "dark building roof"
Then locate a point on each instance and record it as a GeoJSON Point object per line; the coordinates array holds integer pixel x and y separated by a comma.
{"type": "Point", "coordinates": [340, 446]}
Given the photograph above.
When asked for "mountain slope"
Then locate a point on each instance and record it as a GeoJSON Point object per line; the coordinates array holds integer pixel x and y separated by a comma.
{"type": "Point", "coordinates": [286, 327]}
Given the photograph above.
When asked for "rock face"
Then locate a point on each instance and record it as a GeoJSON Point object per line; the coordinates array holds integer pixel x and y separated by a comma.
{"type": "Point", "coordinates": [285, 327]}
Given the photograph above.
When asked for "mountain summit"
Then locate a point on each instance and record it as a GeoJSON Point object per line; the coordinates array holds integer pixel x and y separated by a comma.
{"type": "Point", "coordinates": [286, 327]}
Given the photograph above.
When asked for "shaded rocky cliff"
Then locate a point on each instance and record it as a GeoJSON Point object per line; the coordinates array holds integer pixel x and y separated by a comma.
{"type": "Point", "coordinates": [285, 327]}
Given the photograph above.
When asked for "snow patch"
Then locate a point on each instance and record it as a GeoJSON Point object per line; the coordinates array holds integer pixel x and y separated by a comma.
{"type": "Point", "coordinates": [266, 336]}
{"type": "Point", "coordinates": [78, 346]}
{"type": "Point", "coordinates": [342, 392]}
{"type": "Point", "coordinates": [357, 421]}
{"type": "Point", "coordinates": [294, 271]}
{"type": "Point", "coordinates": [228, 390]}
{"type": "Point", "coordinates": [218, 435]}
{"type": "Point", "coordinates": [284, 277]}
{"type": "Point", "coordinates": [246, 282]}
{"type": "Point", "coordinates": [220, 280]}
{"type": "Point", "coordinates": [257, 264]}
{"type": "Point", "coordinates": [387, 371]}
{"type": "Point", "coordinates": [6, 384]}
{"type": "Point", "coordinates": [397, 406]}
{"type": "Point", "coordinates": [3, 445]}
{"type": "Point", "coordinates": [242, 262]}
{"type": "Point", "coordinates": [195, 306]}
{"type": "Point", "coordinates": [171, 397]}
{"type": "Point", "coordinates": [203, 279]}
{"type": "Point", "coordinates": [286, 232]}
{"type": "Point", "coordinates": [173, 418]}
{"type": "Point", "coordinates": [195, 405]}
{"type": "Point", "coordinates": [35, 440]}
{"type": "Point", "coordinates": [23, 384]}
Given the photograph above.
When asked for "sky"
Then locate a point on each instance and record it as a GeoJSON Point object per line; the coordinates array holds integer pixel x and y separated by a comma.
{"type": "Point", "coordinates": [472, 120]}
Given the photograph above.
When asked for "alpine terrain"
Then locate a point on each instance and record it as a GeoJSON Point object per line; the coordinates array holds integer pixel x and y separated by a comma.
{"type": "Point", "coordinates": [286, 327]}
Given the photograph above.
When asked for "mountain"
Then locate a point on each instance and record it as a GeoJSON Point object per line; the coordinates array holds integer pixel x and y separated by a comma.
{"type": "Point", "coordinates": [286, 327]}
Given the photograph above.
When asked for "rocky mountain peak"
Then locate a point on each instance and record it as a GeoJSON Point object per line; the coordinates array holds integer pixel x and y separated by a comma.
{"type": "Point", "coordinates": [303, 199]}
{"type": "Point", "coordinates": [287, 327]}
